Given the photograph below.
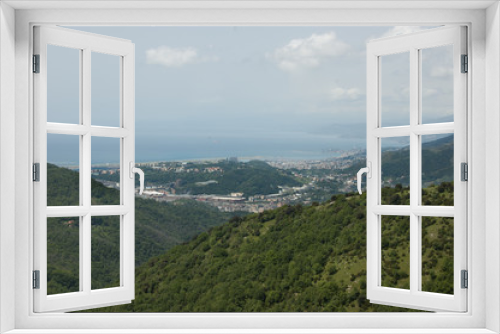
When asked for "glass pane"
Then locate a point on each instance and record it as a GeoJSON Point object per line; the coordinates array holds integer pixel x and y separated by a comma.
{"type": "Point", "coordinates": [396, 252]}
{"type": "Point", "coordinates": [63, 177]}
{"type": "Point", "coordinates": [395, 89]}
{"type": "Point", "coordinates": [437, 84]}
{"type": "Point", "coordinates": [105, 252]}
{"type": "Point", "coordinates": [105, 171]}
{"type": "Point", "coordinates": [63, 255]}
{"type": "Point", "coordinates": [63, 85]}
{"type": "Point", "coordinates": [437, 254]}
{"type": "Point", "coordinates": [395, 171]}
{"type": "Point", "coordinates": [437, 169]}
{"type": "Point", "coordinates": [105, 89]}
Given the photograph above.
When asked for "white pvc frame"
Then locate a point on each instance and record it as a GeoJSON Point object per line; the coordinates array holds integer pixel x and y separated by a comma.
{"type": "Point", "coordinates": [484, 308]}
{"type": "Point", "coordinates": [86, 43]}
{"type": "Point", "coordinates": [413, 44]}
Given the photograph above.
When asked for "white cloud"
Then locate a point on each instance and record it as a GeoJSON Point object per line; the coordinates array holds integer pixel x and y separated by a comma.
{"type": "Point", "coordinates": [441, 71]}
{"type": "Point", "coordinates": [175, 57]}
{"type": "Point", "coordinates": [402, 30]}
{"type": "Point", "coordinates": [339, 93]}
{"type": "Point", "coordinates": [308, 52]}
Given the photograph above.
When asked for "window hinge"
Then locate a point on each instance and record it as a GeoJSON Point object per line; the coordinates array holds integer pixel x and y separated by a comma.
{"type": "Point", "coordinates": [36, 63]}
{"type": "Point", "coordinates": [464, 171]}
{"type": "Point", "coordinates": [465, 64]}
{"type": "Point", "coordinates": [36, 172]}
{"type": "Point", "coordinates": [465, 279]}
{"type": "Point", "coordinates": [36, 279]}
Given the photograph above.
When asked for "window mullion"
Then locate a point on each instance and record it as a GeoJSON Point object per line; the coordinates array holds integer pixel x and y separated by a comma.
{"type": "Point", "coordinates": [414, 172]}
{"type": "Point", "coordinates": [86, 139]}
{"type": "Point", "coordinates": [85, 174]}
{"type": "Point", "coordinates": [418, 166]}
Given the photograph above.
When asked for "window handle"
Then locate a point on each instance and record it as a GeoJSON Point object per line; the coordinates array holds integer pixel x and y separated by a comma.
{"type": "Point", "coordinates": [139, 171]}
{"type": "Point", "coordinates": [368, 171]}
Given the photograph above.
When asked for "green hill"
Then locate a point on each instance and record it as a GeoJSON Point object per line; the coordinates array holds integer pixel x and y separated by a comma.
{"type": "Point", "coordinates": [159, 227]}
{"type": "Point", "coordinates": [251, 178]}
{"type": "Point", "coordinates": [293, 259]}
{"type": "Point", "coordinates": [437, 164]}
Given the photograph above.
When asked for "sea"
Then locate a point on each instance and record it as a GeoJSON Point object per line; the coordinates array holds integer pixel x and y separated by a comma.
{"type": "Point", "coordinates": [192, 147]}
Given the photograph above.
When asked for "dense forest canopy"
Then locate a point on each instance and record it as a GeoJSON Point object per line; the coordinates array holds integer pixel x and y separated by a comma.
{"type": "Point", "coordinates": [158, 227]}
{"type": "Point", "coordinates": [293, 259]}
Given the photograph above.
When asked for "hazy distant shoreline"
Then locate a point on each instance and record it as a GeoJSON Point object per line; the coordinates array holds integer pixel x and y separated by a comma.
{"type": "Point", "coordinates": [316, 157]}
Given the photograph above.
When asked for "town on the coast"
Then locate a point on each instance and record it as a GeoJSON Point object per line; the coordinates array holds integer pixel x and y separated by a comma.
{"type": "Point", "coordinates": [315, 180]}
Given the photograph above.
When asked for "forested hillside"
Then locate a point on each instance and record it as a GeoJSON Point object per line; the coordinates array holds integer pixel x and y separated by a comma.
{"type": "Point", "coordinates": [294, 259]}
{"type": "Point", "coordinates": [250, 178]}
{"type": "Point", "coordinates": [437, 163]}
{"type": "Point", "coordinates": [159, 227]}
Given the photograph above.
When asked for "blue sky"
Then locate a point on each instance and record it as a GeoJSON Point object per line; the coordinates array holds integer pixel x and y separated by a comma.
{"type": "Point", "coordinates": [285, 92]}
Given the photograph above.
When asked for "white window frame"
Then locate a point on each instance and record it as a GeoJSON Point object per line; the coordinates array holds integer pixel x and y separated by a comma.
{"type": "Point", "coordinates": [412, 44]}
{"type": "Point", "coordinates": [86, 44]}
{"type": "Point", "coordinates": [483, 21]}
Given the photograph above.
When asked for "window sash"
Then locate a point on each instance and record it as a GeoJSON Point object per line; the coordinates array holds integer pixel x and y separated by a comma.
{"type": "Point", "coordinates": [414, 297]}
{"type": "Point", "coordinates": [86, 297]}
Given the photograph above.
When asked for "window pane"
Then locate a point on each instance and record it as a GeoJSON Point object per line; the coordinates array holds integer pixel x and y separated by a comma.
{"type": "Point", "coordinates": [105, 171]}
{"type": "Point", "coordinates": [395, 171]}
{"type": "Point", "coordinates": [105, 89]}
{"type": "Point", "coordinates": [63, 255]}
{"type": "Point", "coordinates": [105, 252]}
{"type": "Point", "coordinates": [63, 177]}
{"type": "Point", "coordinates": [396, 252]}
{"type": "Point", "coordinates": [395, 89]}
{"type": "Point", "coordinates": [437, 254]}
{"type": "Point", "coordinates": [63, 85]}
{"type": "Point", "coordinates": [437, 84]}
{"type": "Point", "coordinates": [437, 170]}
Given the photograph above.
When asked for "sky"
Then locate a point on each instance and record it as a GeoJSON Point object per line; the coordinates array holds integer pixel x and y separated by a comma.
{"type": "Point", "coordinates": [270, 92]}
